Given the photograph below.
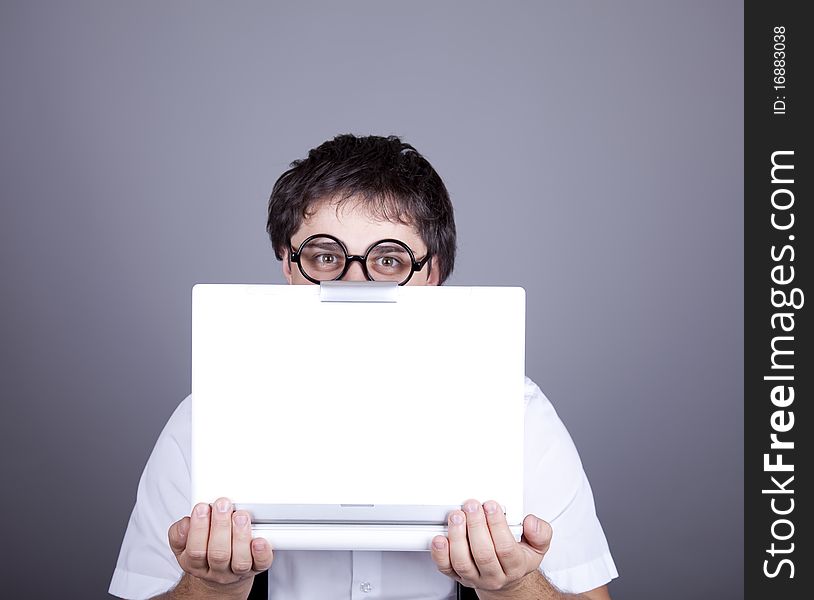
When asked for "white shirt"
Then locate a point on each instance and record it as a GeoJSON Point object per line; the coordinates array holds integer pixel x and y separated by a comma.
{"type": "Point", "coordinates": [555, 489]}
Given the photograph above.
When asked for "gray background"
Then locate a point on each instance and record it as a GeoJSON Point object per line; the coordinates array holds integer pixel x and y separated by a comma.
{"type": "Point", "coordinates": [599, 145]}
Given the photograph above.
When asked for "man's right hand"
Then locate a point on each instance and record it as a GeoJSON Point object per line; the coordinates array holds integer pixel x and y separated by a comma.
{"type": "Point", "coordinates": [214, 547]}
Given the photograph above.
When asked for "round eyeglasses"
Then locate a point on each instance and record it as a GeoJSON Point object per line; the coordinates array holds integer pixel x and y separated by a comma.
{"type": "Point", "coordinates": [323, 257]}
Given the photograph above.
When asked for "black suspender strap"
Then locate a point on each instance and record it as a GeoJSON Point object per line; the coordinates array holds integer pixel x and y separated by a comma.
{"type": "Point", "coordinates": [465, 593]}
{"type": "Point", "coordinates": [260, 587]}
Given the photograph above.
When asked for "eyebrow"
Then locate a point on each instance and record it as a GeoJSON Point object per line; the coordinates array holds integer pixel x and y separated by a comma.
{"type": "Point", "coordinates": [389, 248]}
{"type": "Point", "coordinates": [323, 246]}
{"type": "Point", "coordinates": [376, 248]}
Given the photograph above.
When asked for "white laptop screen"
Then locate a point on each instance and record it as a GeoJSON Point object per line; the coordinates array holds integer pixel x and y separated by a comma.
{"type": "Point", "coordinates": [311, 411]}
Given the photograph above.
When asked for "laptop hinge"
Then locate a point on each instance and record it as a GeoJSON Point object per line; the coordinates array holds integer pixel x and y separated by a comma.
{"type": "Point", "coordinates": [358, 291]}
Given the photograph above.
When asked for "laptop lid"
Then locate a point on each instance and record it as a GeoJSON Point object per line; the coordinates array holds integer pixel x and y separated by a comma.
{"type": "Point", "coordinates": [336, 413]}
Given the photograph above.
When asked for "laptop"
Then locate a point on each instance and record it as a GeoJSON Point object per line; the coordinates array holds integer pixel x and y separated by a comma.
{"type": "Point", "coordinates": [357, 415]}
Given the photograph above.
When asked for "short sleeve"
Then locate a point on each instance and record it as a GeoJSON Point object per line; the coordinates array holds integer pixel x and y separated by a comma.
{"type": "Point", "coordinates": [146, 565]}
{"type": "Point", "coordinates": [557, 490]}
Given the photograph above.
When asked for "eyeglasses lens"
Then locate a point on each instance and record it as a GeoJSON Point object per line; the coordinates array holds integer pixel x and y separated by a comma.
{"type": "Point", "coordinates": [322, 259]}
{"type": "Point", "coordinates": [389, 261]}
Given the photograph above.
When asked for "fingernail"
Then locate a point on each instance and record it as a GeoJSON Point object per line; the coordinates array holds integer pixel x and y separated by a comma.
{"type": "Point", "coordinates": [202, 510]}
{"type": "Point", "coordinates": [241, 520]}
{"type": "Point", "coordinates": [490, 507]}
{"type": "Point", "coordinates": [457, 518]}
{"type": "Point", "coordinates": [259, 544]}
{"type": "Point", "coordinates": [223, 505]}
{"type": "Point", "coordinates": [183, 528]}
{"type": "Point", "coordinates": [471, 507]}
{"type": "Point", "coordinates": [538, 525]}
{"type": "Point", "coordinates": [438, 545]}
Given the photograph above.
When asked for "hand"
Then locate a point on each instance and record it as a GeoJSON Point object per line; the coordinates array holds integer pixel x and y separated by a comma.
{"type": "Point", "coordinates": [481, 551]}
{"type": "Point", "coordinates": [214, 545]}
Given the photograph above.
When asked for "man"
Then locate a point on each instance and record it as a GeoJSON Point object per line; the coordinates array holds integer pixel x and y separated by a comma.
{"type": "Point", "coordinates": [360, 208]}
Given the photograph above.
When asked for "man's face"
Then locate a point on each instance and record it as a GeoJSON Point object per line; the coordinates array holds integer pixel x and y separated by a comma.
{"type": "Point", "coordinates": [353, 224]}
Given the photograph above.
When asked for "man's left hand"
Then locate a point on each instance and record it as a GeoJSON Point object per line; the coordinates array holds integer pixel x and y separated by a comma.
{"type": "Point", "coordinates": [480, 551]}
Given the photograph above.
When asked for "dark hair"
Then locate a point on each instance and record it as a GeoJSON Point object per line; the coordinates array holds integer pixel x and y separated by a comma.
{"type": "Point", "coordinates": [388, 175]}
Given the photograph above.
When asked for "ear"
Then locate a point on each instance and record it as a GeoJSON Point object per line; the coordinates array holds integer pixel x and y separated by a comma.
{"type": "Point", "coordinates": [434, 273]}
{"type": "Point", "coordinates": [286, 267]}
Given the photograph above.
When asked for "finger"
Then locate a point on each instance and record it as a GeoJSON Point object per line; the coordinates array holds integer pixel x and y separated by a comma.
{"type": "Point", "coordinates": [198, 537]}
{"type": "Point", "coordinates": [459, 555]}
{"type": "Point", "coordinates": [439, 551]}
{"type": "Point", "coordinates": [242, 561]}
{"type": "Point", "coordinates": [480, 541]}
{"type": "Point", "coordinates": [177, 534]}
{"type": "Point", "coordinates": [219, 551]}
{"type": "Point", "coordinates": [262, 554]}
{"type": "Point", "coordinates": [509, 553]}
{"type": "Point", "coordinates": [537, 535]}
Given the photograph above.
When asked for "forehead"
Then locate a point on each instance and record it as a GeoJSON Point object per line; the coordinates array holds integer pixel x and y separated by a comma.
{"type": "Point", "coordinates": [353, 223]}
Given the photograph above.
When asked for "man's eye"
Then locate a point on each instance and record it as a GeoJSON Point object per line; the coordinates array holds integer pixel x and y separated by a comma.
{"type": "Point", "coordinates": [388, 262]}
{"type": "Point", "coordinates": [325, 261]}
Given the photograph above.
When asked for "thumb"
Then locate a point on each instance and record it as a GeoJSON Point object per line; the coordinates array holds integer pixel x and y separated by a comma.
{"type": "Point", "coordinates": [178, 535]}
{"type": "Point", "coordinates": [537, 534]}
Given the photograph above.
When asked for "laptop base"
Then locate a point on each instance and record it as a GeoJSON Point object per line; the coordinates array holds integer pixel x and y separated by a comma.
{"type": "Point", "coordinates": [381, 538]}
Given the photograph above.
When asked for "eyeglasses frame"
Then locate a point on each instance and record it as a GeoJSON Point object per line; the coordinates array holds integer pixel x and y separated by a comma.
{"type": "Point", "coordinates": [294, 256]}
